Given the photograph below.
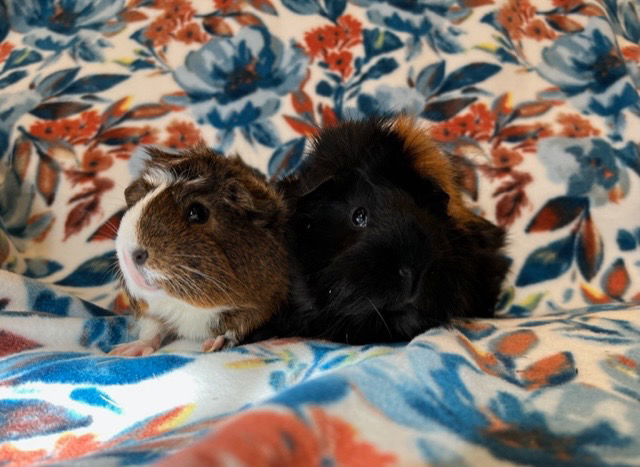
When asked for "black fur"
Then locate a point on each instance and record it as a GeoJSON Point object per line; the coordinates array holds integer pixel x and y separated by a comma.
{"type": "Point", "coordinates": [410, 269]}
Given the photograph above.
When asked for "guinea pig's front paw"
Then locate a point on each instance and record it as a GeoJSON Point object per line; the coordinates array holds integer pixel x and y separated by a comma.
{"type": "Point", "coordinates": [139, 348]}
{"type": "Point", "coordinates": [226, 341]}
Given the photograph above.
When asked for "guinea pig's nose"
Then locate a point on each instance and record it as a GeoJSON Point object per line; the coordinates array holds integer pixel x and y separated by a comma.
{"type": "Point", "coordinates": [140, 256]}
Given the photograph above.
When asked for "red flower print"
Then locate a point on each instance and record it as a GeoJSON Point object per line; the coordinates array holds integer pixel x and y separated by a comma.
{"type": "Point", "coordinates": [462, 124]}
{"type": "Point", "coordinates": [255, 438]}
{"type": "Point", "coordinates": [539, 31]}
{"type": "Point", "coordinates": [320, 39]}
{"type": "Point", "coordinates": [483, 121]}
{"type": "Point", "coordinates": [81, 129]}
{"type": "Point", "coordinates": [180, 10]}
{"type": "Point", "coordinates": [542, 130]}
{"type": "Point", "coordinates": [46, 129]}
{"type": "Point", "coordinates": [267, 437]}
{"type": "Point", "coordinates": [15, 456]}
{"type": "Point", "coordinates": [340, 442]}
{"type": "Point", "coordinates": [329, 117]}
{"type": "Point", "coordinates": [514, 15]}
{"type": "Point", "coordinates": [630, 52]}
{"type": "Point", "coordinates": [5, 50]}
{"type": "Point", "coordinates": [549, 371]}
{"type": "Point", "coordinates": [160, 31]}
{"type": "Point", "coordinates": [182, 135]}
{"type": "Point", "coordinates": [477, 123]}
{"type": "Point", "coordinates": [95, 160]}
{"type": "Point", "coordinates": [148, 135]}
{"type": "Point", "coordinates": [445, 132]}
{"type": "Point", "coordinates": [567, 5]}
{"type": "Point", "coordinates": [340, 62]}
{"type": "Point", "coordinates": [524, 9]}
{"type": "Point", "coordinates": [509, 17]}
{"type": "Point", "coordinates": [351, 29]}
{"type": "Point", "coordinates": [574, 126]}
{"type": "Point", "coordinates": [69, 127]}
{"type": "Point", "coordinates": [70, 446]}
{"type": "Point", "coordinates": [191, 33]}
{"type": "Point", "coordinates": [89, 122]}
{"type": "Point", "coordinates": [228, 6]}
{"type": "Point", "coordinates": [504, 158]}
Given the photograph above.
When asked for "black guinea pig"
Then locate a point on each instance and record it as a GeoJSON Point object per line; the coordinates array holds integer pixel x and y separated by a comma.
{"type": "Point", "coordinates": [384, 245]}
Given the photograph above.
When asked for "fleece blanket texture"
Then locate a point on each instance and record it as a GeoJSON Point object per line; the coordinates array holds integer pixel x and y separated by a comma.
{"type": "Point", "coordinates": [538, 101]}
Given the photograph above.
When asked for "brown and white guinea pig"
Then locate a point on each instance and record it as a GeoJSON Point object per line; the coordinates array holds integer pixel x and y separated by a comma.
{"type": "Point", "coordinates": [202, 250]}
{"type": "Point", "coordinates": [385, 248]}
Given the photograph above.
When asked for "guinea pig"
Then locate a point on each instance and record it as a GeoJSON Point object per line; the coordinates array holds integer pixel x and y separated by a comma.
{"type": "Point", "coordinates": [201, 249]}
{"type": "Point", "coordinates": [384, 245]}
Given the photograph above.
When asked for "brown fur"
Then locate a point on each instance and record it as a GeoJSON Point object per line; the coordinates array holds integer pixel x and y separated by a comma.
{"type": "Point", "coordinates": [432, 163]}
{"type": "Point", "coordinates": [237, 258]}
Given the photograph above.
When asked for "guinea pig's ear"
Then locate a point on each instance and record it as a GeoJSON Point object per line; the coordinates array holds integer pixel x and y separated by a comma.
{"type": "Point", "coordinates": [235, 194]}
{"type": "Point", "coordinates": [293, 188]}
{"type": "Point", "coordinates": [136, 191]}
{"type": "Point", "coordinates": [257, 202]}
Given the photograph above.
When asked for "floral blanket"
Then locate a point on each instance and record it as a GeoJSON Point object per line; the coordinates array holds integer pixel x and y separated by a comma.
{"type": "Point", "coordinates": [537, 100]}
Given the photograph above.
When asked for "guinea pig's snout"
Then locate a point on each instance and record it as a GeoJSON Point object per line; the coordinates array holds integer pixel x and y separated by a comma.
{"type": "Point", "coordinates": [135, 260]}
{"type": "Point", "coordinates": [139, 256]}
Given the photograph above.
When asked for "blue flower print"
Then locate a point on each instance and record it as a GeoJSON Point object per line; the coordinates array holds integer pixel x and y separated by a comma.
{"type": "Point", "coordinates": [588, 69]}
{"type": "Point", "coordinates": [624, 17]}
{"type": "Point", "coordinates": [389, 100]}
{"type": "Point", "coordinates": [597, 167]}
{"type": "Point", "coordinates": [589, 167]}
{"type": "Point", "coordinates": [12, 107]}
{"type": "Point", "coordinates": [73, 25]}
{"type": "Point", "coordinates": [237, 81]}
{"type": "Point", "coordinates": [429, 19]}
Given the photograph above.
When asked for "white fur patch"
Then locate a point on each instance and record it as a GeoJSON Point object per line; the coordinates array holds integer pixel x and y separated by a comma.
{"type": "Point", "coordinates": [186, 320]}
{"type": "Point", "coordinates": [157, 177]}
{"type": "Point", "coordinates": [150, 328]}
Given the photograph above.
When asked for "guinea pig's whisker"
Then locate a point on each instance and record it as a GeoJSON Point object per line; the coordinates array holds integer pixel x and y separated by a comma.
{"type": "Point", "coordinates": [381, 317]}
{"type": "Point", "coordinates": [219, 272]}
{"type": "Point", "coordinates": [114, 268]}
{"type": "Point", "coordinates": [190, 289]}
{"type": "Point", "coordinates": [198, 272]}
{"type": "Point", "coordinates": [111, 228]}
{"type": "Point", "coordinates": [212, 279]}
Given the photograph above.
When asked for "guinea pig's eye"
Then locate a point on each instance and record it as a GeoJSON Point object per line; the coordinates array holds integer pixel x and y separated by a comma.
{"type": "Point", "coordinates": [359, 217]}
{"type": "Point", "coordinates": [197, 213]}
